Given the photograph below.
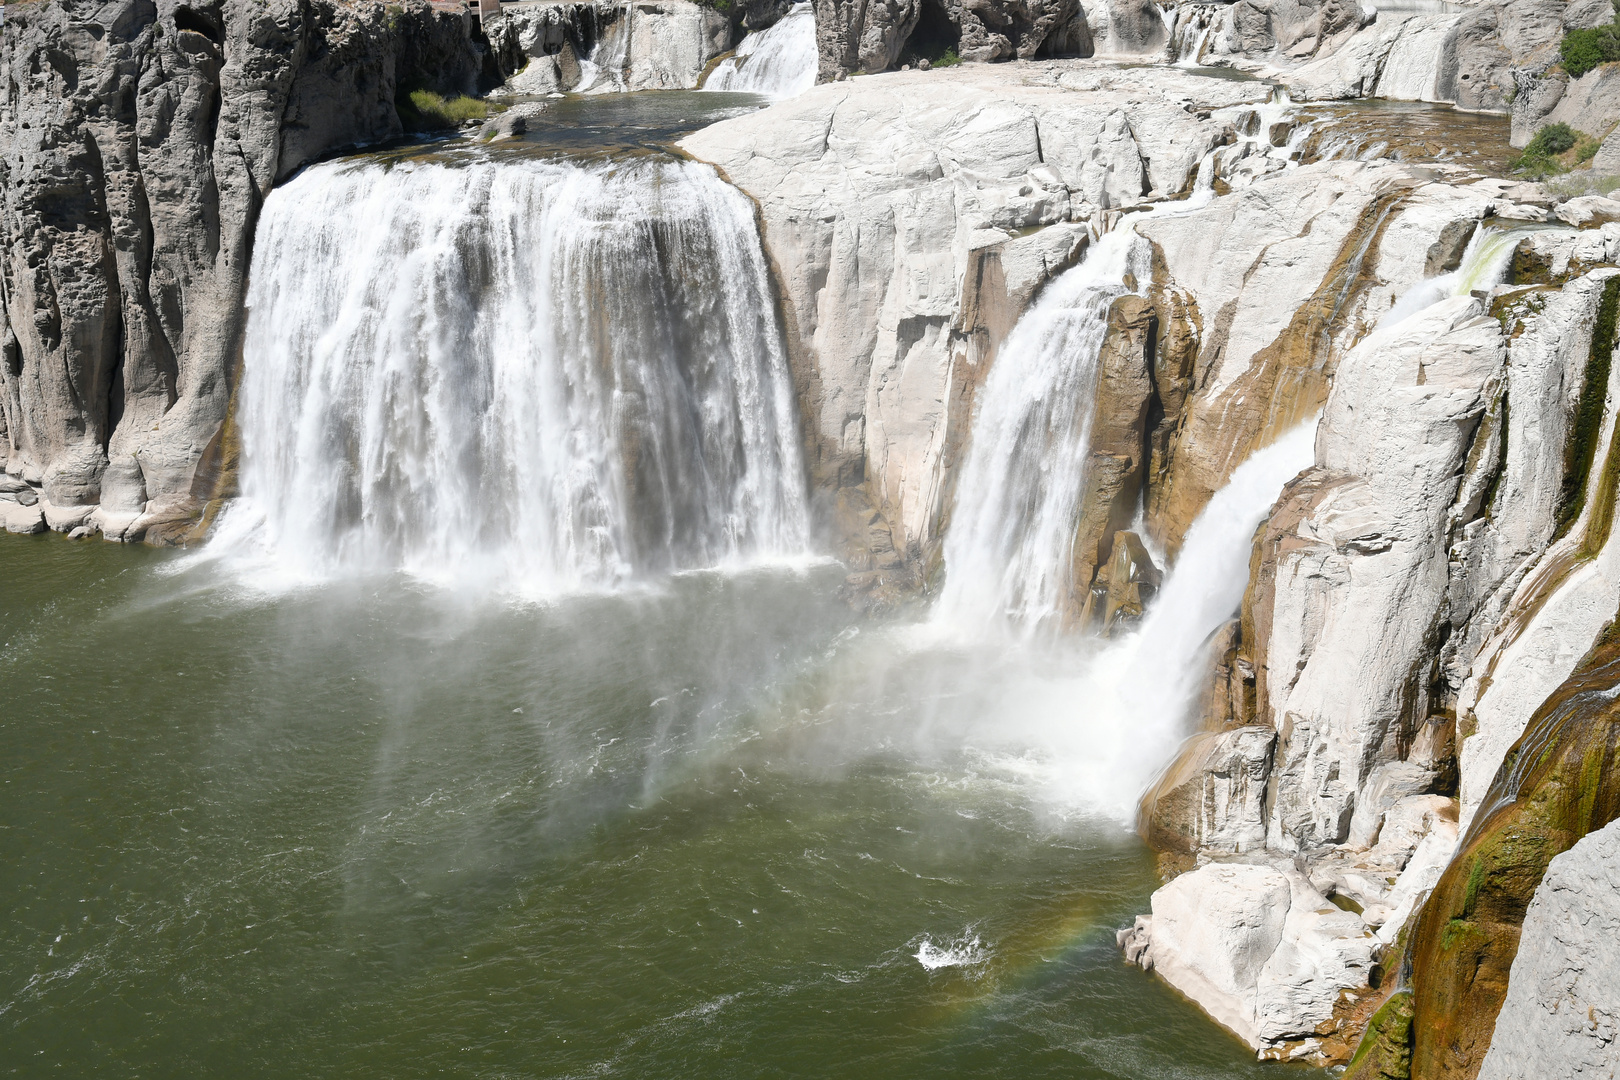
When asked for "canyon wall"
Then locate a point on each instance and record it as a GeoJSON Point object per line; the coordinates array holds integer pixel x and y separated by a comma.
{"type": "Point", "coordinates": [139, 141]}
{"type": "Point", "coordinates": [1421, 654]}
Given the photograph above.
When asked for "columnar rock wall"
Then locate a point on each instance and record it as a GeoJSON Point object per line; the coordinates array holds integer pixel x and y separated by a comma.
{"type": "Point", "coordinates": [596, 47]}
{"type": "Point", "coordinates": [137, 143]}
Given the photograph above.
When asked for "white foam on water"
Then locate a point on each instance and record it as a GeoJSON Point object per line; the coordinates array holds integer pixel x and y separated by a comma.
{"type": "Point", "coordinates": [965, 950]}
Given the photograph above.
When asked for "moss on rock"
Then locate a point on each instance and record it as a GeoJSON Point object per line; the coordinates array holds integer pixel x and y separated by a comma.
{"type": "Point", "coordinates": [1558, 783]}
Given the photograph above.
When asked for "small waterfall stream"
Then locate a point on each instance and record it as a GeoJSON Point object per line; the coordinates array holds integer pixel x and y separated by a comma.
{"type": "Point", "coordinates": [780, 60]}
{"type": "Point", "coordinates": [539, 373]}
{"type": "Point", "coordinates": [1008, 547]}
{"type": "Point", "coordinates": [1484, 264]}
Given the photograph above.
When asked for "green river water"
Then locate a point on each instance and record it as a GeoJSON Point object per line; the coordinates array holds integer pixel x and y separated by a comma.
{"type": "Point", "coordinates": [703, 829]}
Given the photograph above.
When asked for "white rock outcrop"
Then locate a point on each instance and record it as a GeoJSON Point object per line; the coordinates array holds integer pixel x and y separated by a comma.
{"type": "Point", "coordinates": [1562, 1013]}
{"type": "Point", "coordinates": [1360, 581]}
{"type": "Point", "coordinates": [1258, 948]}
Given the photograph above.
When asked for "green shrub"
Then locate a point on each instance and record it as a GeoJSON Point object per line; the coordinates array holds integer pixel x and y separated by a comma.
{"type": "Point", "coordinates": [1583, 50]}
{"type": "Point", "coordinates": [1540, 156]}
{"type": "Point", "coordinates": [947, 59]}
{"type": "Point", "coordinates": [1586, 149]}
{"type": "Point", "coordinates": [425, 111]}
{"type": "Point", "coordinates": [1552, 139]}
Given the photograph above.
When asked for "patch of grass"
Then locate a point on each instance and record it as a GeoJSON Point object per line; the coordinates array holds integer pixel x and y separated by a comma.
{"type": "Point", "coordinates": [1584, 183]}
{"type": "Point", "coordinates": [423, 110]}
{"type": "Point", "coordinates": [947, 59]}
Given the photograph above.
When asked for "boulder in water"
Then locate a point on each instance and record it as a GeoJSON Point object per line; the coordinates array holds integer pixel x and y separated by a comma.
{"type": "Point", "coordinates": [1260, 950]}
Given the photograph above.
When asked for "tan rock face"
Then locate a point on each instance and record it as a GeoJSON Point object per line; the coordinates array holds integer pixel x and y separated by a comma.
{"type": "Point", "coordinates": [1115, 469]}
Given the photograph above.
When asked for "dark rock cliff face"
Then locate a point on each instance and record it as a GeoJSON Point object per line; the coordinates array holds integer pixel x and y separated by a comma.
{"type": "Point", "coordinates": [138, 141]}
{"type": "Point", "coordinates": [877, 35]}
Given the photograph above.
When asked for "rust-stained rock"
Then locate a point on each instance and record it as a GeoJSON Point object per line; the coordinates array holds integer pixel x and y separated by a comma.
{"type": "Point", "coordinates": [1213, 796]}
{"type": "Point", "coordinates": [1118, 438]}
{"type": "Point", "coordinates": [1558, 783]}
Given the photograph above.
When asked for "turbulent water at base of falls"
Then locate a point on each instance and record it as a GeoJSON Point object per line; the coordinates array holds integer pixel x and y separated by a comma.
{"type": "Point", "coordinates": [1161, 666]}
{"type": "Point", "coordinates": [536, 374]}
{"type": "Point", "coordinates": [1484, 264]}
{"type": "Point", "coordinates": [1007, 552]}
{"type": "Point", "coordinates": [780, 60]}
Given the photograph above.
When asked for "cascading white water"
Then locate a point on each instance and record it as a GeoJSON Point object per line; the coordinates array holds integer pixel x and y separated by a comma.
{"type": "Point", "coordinates": [1007, 552]}
{"type": "Point", "coordinates": [1190, 28]}
{"type": "Point", "coordinates": [780, 60]}
{"type": "Point", "coordinates": [1091, 723]}
{"type": "Point", "coordinates": [603, 70]}
{"type": "Point", "coordinates": [1008, 549]}
{"type": "Point", "coordinates": [1415, 64]}
{"type": "Point", "coordinates": [1484, 264]}
{"type": "Point", "coordinates": [535, 373]}
{"type": "Point", "coordinates": [1148, 681]}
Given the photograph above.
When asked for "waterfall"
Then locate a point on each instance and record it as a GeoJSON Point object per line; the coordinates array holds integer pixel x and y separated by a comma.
{"type": "Point", "coordinates": [1415, 64]}
{"type": "Point", "coordinates": [1009, 545]}
{"type": "Point", "coordinates": [1190, 27]}
{"type": "Point", "coordinates": [1484, 264]}
{"type": "Point", "coordinates": [534, 373]}
{"type": "Point", "coordinates": [1156, 673]}
{"type": "Point", "coordinates": [780, 60]}
{"type": "Point", "coordinates": [1007, 551]}
{"type": "Point", "coordinates": [603, 71]}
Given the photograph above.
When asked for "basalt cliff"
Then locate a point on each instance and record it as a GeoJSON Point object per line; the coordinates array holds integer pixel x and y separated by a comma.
{"type": "Point", "coordinates": [1388, 835]}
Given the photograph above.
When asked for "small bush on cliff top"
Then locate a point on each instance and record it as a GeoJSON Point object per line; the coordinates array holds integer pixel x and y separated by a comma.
{"type": "Point", "coordinates": [1583, 50]}
{"type": "Point", "coordinates": [1549, 152]}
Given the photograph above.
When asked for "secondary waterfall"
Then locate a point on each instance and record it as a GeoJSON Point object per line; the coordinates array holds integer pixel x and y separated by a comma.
{"type": "Point", "coordinates": [532, 372]}
{"type": "Point", "coordinates": [1484, 263]}
{"type": "Point", "coordinates": [1150, 679]}
{"type": "Point", "coordinates": [1417, 61]}
{"type": "Point", "coordinates": [1190, 26]}
{"type": "Point", "coordinates": [780, 60]}
{"type": "Point", "coordinates": [1008, 546]}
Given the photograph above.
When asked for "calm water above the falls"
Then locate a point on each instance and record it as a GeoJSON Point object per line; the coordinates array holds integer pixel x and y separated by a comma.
{"type": "Point", "coordinates": [711, 828]}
